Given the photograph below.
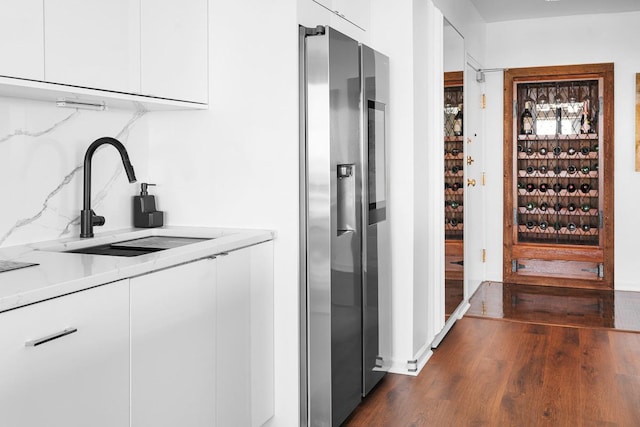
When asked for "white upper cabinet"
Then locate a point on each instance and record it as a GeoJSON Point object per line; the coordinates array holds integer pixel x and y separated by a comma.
{"type": "Point", "coordinates": [21, 39]}
{"type": "Point", "coordinates": [174, 49]}
{"type": "Point", "coordinates": [355, 11]}
{"type": "Point", "coordinates": [93, 43]}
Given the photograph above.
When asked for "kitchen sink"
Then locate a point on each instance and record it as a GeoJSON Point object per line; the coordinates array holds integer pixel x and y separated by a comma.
{"type": "Point", "coordinates": [114, 250]}
{"type": "Point", "coordinates": [137, 247]}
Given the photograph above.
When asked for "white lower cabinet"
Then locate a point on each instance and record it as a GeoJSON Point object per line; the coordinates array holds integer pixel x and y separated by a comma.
{"type": "Point", "coordinates": [53, 378]}
{"type": "Point", "coordinates": [244, 337]}
{"type": "Point", "coordinates": [190, 345]}
{"type": "Point", "coordinates": [173, 346]}
{"type": "Point", "coordinates": [202, 342]}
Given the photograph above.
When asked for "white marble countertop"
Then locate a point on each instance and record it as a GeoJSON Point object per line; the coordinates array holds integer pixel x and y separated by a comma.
{"type": "Point", "coordinates": [60, 273]}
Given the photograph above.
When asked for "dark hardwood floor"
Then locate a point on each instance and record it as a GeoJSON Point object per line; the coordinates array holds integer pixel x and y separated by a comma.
{"type": "Point", "coordinates": [591, 308]}
{"type": "Point", "coordinates": [497, 372]}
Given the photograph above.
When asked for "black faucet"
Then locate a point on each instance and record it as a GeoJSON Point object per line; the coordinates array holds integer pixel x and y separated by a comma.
{"type": "Point", "coordinates": [88, 217]}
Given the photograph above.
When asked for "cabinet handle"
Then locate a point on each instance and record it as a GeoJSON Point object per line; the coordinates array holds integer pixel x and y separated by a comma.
{"type": "Point", "coordinates": [51, 337]}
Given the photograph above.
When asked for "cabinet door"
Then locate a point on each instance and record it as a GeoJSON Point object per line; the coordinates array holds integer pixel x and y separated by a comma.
{"type": "Point", "coordinates": [174, 40]}
{"type": "Point", "coordinates": [93, 43]}
{"type": "Point", "coordinates": [79, 379]}
{"type": "Point", "coordinates": [326, 3]}
{"type": "Point", "coordinates": [355, 11]}
{"type": "Point", "coordinates": [172, 346]}
{"type": "Point", "coordinates": [21, 39]}
{"type": "Point", "coordinates": [244, 334]}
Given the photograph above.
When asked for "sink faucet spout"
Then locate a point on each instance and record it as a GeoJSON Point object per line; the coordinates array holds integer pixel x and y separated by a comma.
{"type": "Point", "coordinates": [88, 218]}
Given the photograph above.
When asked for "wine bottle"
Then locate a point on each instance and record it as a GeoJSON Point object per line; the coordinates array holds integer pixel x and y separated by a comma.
{"type": "Point", "coordinates": [530, 206]}
{"type": "Point", "coordinates": [542, 169]}
{"type": "Point", "coordinates": [585, 207]}
{"type": "Point", "coordinates": [530, 225]}
{"type": "Point", "coordinates": [585, 151]}
{"type": "Point", "coordinates": [571, 169]}
{"type": "Point", "coordinates": [585, 188]}
{"type": "Point", "coordinates": [544, 206]}
{"type": "Point", "coordinates": [557, 226]}
{"type": "Point", "coordinates": [571, 226]}
{"type": "Point", "coordinates": [456, 186]}
{"type": "Point", "coordinates": [457, 122]}
{"type": "Point", "coordinates": [585, 120]}
{"type": "Point", "coordinates": [585, 227]}
{"type": "Point", "coordinates": [455, 169]}
{"type": "Point", "coordinates": [585, 170]}
{"type": "Point", "coordinates": [454, 222]}
{"type": "Point", "coordinates": [571, 207]}
{"type": "Point", "coordinates": [557, 187]}
{"type": "Point", "coordinates": [557, 169]}
{"type": "Point", "coordinates": [557, 150]}
{"type": "Point", "coordinates": [530, 169]}
{"type": "Point", "coordinates": [529, 151]}
{"type": "Point", "coordinates": [455, 151]}
{"type": "Point", "coordinates": [520, 148]}
{"type": "Point", "coordinates": [595, 167]}
{"type": "Point", "coordinates": [526, 120]}
{"type": "Point", "coordinates": [543, 225]}
{"type": "Point", "coordinates": [454, 204]}
{"type": "Point", "coordinates": [571, 188]}
{"type": "Point", "coordinates": [543, 151]}
{"type": "Point", "coordinates": [520, 185]}
{"type": "Point", "coordinates": [543, 187]}
{"type": "Point", "coordinates": [530, 187]}
{"type": "Point", "coordinates": [557, 206]}
{"type": "Point", "coordinates": [571, 151]}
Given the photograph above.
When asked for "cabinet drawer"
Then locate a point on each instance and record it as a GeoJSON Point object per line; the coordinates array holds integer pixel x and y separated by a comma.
{"type": "Point", "coordinates": [77, 378]}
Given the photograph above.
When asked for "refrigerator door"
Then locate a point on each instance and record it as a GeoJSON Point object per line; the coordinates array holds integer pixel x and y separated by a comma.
{"type": "Point", "coordinates": [333, 226]}
{"type": "Point", "coordinates": [375, 72]}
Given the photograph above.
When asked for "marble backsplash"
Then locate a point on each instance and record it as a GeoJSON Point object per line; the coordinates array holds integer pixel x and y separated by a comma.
{"type": "Point", "coordinates": [42, 151]}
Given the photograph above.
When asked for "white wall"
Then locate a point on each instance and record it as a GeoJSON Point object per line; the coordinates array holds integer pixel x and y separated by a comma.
{"type": "Point", "coordinates": [453, 49]}
{"type": "Point", "coordinates": [464, 17]}
{"type": "Point", "coordinates": [41, 156]}
{"type": "Point", "coordinates": [581, 39]}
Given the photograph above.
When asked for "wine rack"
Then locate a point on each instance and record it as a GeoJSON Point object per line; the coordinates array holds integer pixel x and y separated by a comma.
{"type": "Point", "coordinates": [453, 175]}
{"type": "Point", "coordinates": [453, 158]}
{"type": "Point", "coordinates": [559, 180]}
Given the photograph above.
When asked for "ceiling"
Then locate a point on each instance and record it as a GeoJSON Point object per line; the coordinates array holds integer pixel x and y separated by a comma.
{"type": "Point", "coordinates": [508, 10]}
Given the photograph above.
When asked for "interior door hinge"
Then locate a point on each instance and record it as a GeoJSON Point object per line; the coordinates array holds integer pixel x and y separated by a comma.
{"type": "Point", "coordinates": [484, 255]}
{"type": "Point", "coordinates": [483, 101]}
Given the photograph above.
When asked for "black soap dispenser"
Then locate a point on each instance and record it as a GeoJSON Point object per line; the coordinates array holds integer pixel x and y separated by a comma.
{"type": "Point", "coordinates": [145, 214]}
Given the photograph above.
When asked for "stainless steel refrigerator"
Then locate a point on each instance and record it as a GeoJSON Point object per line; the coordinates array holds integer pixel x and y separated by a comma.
{"type": "Point", "coordinates": [344, 104]}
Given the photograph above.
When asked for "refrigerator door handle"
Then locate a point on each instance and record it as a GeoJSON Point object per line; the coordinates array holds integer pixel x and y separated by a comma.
{"type": "Point", "coordinates": [346, 198]}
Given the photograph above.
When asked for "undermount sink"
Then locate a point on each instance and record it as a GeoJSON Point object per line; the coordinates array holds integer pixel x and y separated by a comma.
{"type": "Point", "coordinates": [136, 247]}
{"type": "Point", "coordinates": [114, 250]}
